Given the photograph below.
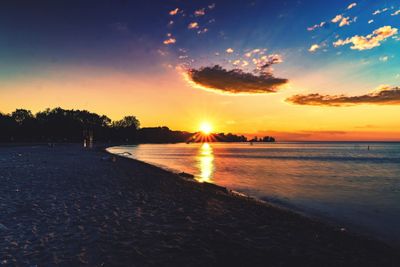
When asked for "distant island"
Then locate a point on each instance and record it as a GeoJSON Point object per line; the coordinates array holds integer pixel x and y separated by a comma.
{"type": "Point", "coordinates": [63, 125]}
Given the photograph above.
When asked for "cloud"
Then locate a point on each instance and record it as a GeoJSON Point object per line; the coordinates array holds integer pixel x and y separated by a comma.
{"type": "Point", "coordinates": [257, 51]}
{"type": "Point", "coordinates": [234, 81]}
{"type": "Point", "coordinates": [202, 31]}
{"type": "Point", "coordinates": [383, 58]}
{"type": "Point", "coordinates": [352, 5]}
{"type": "Point", "coordinates": [236, 62]}
{"type": "Point", "coordinates": [263, 63]}
{"type": "Point", "coordinates": [379, 11]}
{"type": "Point", "coordinates": [193, 25]}
{"type": "Point", "coordinates": [212, 6]}
{"type": "Point", "coordinates": [370, 21]}
{"type": "Point", "coordinates": [396, 13]}
{"type": "Point", "coordinates": [314, 48]}
{"type": "Point", "coordinates": [200, 12]}
{"type": "Point", "coordinates": [229, 50]}
{"type": "Point", "coordinates": [169, 41]}
{"type": "Point", "coordinates": [383, 96]}
{"type": "Point", "coordinates": [239, 62]}
{"type": "Point", "coordinates": [316, 26]}
{"type": "Point", "coordinates": [272, 59]}
{"type": "Point", "coordinates": [345, 21]}
{"type": "Point", "coordinates": [337, 18]}
{"type": "Point", "coordinates": [174, 12]}
{"type": "Point", "coordinates": [370, 41]}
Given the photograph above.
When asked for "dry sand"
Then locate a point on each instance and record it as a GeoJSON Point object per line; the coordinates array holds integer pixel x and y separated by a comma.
{"type": "Point", "coordinates": [66, 206]}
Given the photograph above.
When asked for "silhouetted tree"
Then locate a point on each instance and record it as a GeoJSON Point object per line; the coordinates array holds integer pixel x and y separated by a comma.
{"type": "Point", "coordinates": [265, 139]}
{"type": "Point", "coordinates": [268, 139]}
{"type": "Point", "coordinates": [21, 115]}
{"type": "Point", "coordinates": [61, 125]}
{"type": "Point", "coordinates": [128, 122]}
{"type": "Point", "coordinates": [8, 127]}
{"type": "Point", "coordinates": [221, 137]}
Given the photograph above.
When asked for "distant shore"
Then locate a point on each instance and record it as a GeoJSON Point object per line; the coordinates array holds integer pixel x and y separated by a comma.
{"type": "Point", "coordinates": [68, 206]}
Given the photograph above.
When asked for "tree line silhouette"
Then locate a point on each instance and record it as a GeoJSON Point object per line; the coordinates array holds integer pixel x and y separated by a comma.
{"type": "Point", "coordinates": [62, 125]}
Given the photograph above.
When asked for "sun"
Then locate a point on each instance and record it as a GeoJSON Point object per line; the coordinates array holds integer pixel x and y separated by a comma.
{"type": "Point", "coordinates": [205, 128]}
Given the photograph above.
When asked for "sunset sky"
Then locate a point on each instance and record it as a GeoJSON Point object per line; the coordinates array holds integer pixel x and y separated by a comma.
{"type": "Point", "coordinates": [298, 70]}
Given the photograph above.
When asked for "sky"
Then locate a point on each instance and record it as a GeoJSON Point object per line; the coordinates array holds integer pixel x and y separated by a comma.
{"type": "Point", "coordinates": [297, 70]}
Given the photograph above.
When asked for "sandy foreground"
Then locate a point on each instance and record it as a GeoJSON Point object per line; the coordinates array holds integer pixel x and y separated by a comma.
{"type": "Point", "coordinates": [66, 206]}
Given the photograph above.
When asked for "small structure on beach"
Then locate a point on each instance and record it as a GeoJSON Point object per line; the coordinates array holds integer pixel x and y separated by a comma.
{"type": "Point", "coordinates": [88, 138]}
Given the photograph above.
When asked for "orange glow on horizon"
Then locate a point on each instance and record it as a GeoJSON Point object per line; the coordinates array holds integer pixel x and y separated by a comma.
{"type": "Point", "coordinates": [117, 94]}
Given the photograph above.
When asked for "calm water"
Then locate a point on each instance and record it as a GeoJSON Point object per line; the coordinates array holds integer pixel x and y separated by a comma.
{"type": "Point", "coordinates": [344, 182]}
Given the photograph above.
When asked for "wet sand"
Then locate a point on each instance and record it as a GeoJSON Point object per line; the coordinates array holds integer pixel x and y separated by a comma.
{"type": "Point", "coordinates": [67, 206]}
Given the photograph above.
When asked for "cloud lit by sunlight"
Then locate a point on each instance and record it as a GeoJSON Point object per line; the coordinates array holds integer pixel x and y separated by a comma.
{"type": "Point", "coordinates": [234, 81]}
{"type": "Point", "coordinates": [383, 96]}
{"type": "Point", "coordinates": [369, 41]}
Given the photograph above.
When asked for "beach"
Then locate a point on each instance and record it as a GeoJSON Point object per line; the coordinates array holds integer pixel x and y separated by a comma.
{"type": "Point", "coordinates": [70, 206]}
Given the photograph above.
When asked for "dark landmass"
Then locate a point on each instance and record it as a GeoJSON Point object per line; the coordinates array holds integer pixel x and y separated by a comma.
{"type": "Point", "coordinates": [67, 206]}
{"type": "Point", "coordinates": [61, 125]}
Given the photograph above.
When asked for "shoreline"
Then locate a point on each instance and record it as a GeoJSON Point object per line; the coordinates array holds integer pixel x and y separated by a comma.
{"type": "Point", "coordinates": [328, 221]}
{"type": "Point", "coordinates": [192, 178]}
{"type": "Point", "coordinates": [354, 229]}
{"type": "Point", "coordinates": [69, 206]}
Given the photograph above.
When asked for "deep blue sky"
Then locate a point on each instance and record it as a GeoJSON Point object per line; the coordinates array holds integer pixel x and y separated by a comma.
{"type": "Point", "coordinates": [126, 34]}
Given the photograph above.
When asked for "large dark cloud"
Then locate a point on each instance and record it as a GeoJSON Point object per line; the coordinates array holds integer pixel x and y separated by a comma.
{"type": "Point", "coordinates": [386, 96]}
{"type": "Point", "coordinates": [235, 81]}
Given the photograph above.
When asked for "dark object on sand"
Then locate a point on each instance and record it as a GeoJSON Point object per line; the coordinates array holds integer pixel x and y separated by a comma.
{"type": "Point", "coordinates": [215, 187]}
{"type": "Point", "coordinates": [186, 175]}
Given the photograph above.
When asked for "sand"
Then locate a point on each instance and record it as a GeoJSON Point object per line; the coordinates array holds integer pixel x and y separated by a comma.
{"type": "Point", "coordinates": [67, 206]}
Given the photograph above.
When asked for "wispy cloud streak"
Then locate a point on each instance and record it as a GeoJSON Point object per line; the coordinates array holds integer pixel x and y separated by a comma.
{"type": "Point", "coordinates": [384, 96]}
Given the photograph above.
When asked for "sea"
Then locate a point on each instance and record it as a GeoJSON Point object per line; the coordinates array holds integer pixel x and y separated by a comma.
{"type": "Point", "coordinates": [352, 185]}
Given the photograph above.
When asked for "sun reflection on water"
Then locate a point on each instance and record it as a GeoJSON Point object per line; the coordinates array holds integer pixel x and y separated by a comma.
{"type": "Point", "coordinates": [205, 159]}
